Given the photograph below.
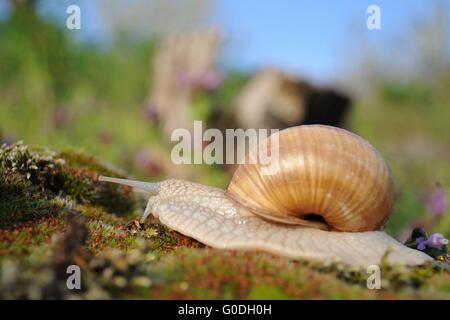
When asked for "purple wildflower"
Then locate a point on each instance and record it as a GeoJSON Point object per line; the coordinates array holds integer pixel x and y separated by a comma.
{"type": "Point", "coordinates": [207, 80]}
{"type": "Point", "coordinates": [436, 240]}
{"type": "Point", "coordinates": [421, 243]}
{"type": "Point", "coordinates": [437, 201]}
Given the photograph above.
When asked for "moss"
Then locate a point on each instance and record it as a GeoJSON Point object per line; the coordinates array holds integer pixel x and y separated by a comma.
{"type": "Point", "coordinates": [187, 273]}
{"type": "Point", "coordinates": [71, 174]}
{"type": "Point", "coordinates": [80, 182]}
{"type": "Point", "coordinates": [264, 292]}
{"type": "Point", "coordinates": [79, 159]}
{"type": "Point", "coordinates": [22, 239]}
{"type": "Point", "coordinates": [125, 235]}
{"type": "Point", "coordinates": [39, 187]}
{"type": "Point", "coordinates": [242, 275]}
{"type": "Point", "coordinates": [21, 201]}
{"type": "Point", "coordinates": [41, 192]}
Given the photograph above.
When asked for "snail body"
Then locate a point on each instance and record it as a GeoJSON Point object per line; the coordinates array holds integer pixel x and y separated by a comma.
{"type": "Point", "coordinates": [328, 198]}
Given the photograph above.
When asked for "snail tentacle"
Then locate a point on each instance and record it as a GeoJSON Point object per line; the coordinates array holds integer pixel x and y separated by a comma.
{"type": "Point", "coordinates": [149, 187]}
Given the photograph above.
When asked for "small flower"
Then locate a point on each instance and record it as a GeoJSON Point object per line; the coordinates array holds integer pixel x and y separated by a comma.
{"type": "Point", "coordinates": [434, 245]}
{"type": "Point", "coordinates": [206, 80]}
{"type": "Point", "coordinates": [437, 240]}
{"type": "Point", "coordinates": [437, 201]}
{"type": "Point", "coordinates": [421, 243]}
{"type": "Point", "coordinates": [209, 80]}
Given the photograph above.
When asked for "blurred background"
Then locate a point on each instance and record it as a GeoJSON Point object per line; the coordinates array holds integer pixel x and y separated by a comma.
{"type": "Point", "coordinates": [136, 70]}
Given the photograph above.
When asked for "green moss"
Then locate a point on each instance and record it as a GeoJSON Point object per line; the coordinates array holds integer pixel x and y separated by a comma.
{"type": "Point", "coordinates": [21, 201]}
{"type": "Point", "coordinates": [122, 258]}
{"type": "Point", "coordinates": [39, 187]}
{"type": "Point", "coordinates": [141, 272]}
{"type": "Point", "coordinates": [265, 292]}
{"type": "Point", "coordinates": [242, 275]}
{"type": "Point", "coordinates": [21, 241]}
{"type": "Point", "coordinates": [72, 174]}
{"type": "Point", "coordinates": [79, 159]}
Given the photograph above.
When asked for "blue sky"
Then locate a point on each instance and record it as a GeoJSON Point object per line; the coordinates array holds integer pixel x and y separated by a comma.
{"type": "Point", "coordinates": [312, 38]}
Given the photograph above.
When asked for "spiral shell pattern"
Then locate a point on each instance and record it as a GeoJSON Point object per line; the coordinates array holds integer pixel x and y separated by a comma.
{"type": "Point", "coordinates": [325, 177]}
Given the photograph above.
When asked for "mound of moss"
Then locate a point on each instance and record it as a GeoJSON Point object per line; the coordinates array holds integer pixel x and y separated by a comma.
{"type": "Point", "coordinates": [54, 213]}
{"type": "Point", "coordinates": [69, 174]}
{"type": "Point", "coordinates": [39, 188]}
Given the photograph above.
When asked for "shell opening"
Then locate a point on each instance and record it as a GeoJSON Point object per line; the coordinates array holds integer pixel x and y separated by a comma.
{"type": "Point", "coordinates": [314, 218]}
{"type": "Point", "coordinates": [311, 220]}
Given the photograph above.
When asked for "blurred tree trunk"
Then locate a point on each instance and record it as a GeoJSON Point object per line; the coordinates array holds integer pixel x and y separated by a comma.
{"type": "Point", "coordinates": [181, 62]}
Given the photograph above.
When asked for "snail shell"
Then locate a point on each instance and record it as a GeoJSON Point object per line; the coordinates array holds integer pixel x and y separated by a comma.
{"type": "Point", "coordinates": [323, 173]}
{"type": "Point", "coordinates": [330, 194]}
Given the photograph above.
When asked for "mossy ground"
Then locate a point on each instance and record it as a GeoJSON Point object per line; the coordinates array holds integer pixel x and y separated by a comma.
{"type": "Point", "coordinates": [54, 213]}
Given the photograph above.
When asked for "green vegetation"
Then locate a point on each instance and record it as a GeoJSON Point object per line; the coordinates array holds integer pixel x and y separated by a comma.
{"type": "Point", "coordinates": [50, 218]}
{"type": "Point", "coordinates": [413, 137]}
{"type": "Point", "coordinates": [86, 103]}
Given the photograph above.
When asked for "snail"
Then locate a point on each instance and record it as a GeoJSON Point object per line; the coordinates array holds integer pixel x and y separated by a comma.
{"type": "Point", "coordinates": [327, 200]}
